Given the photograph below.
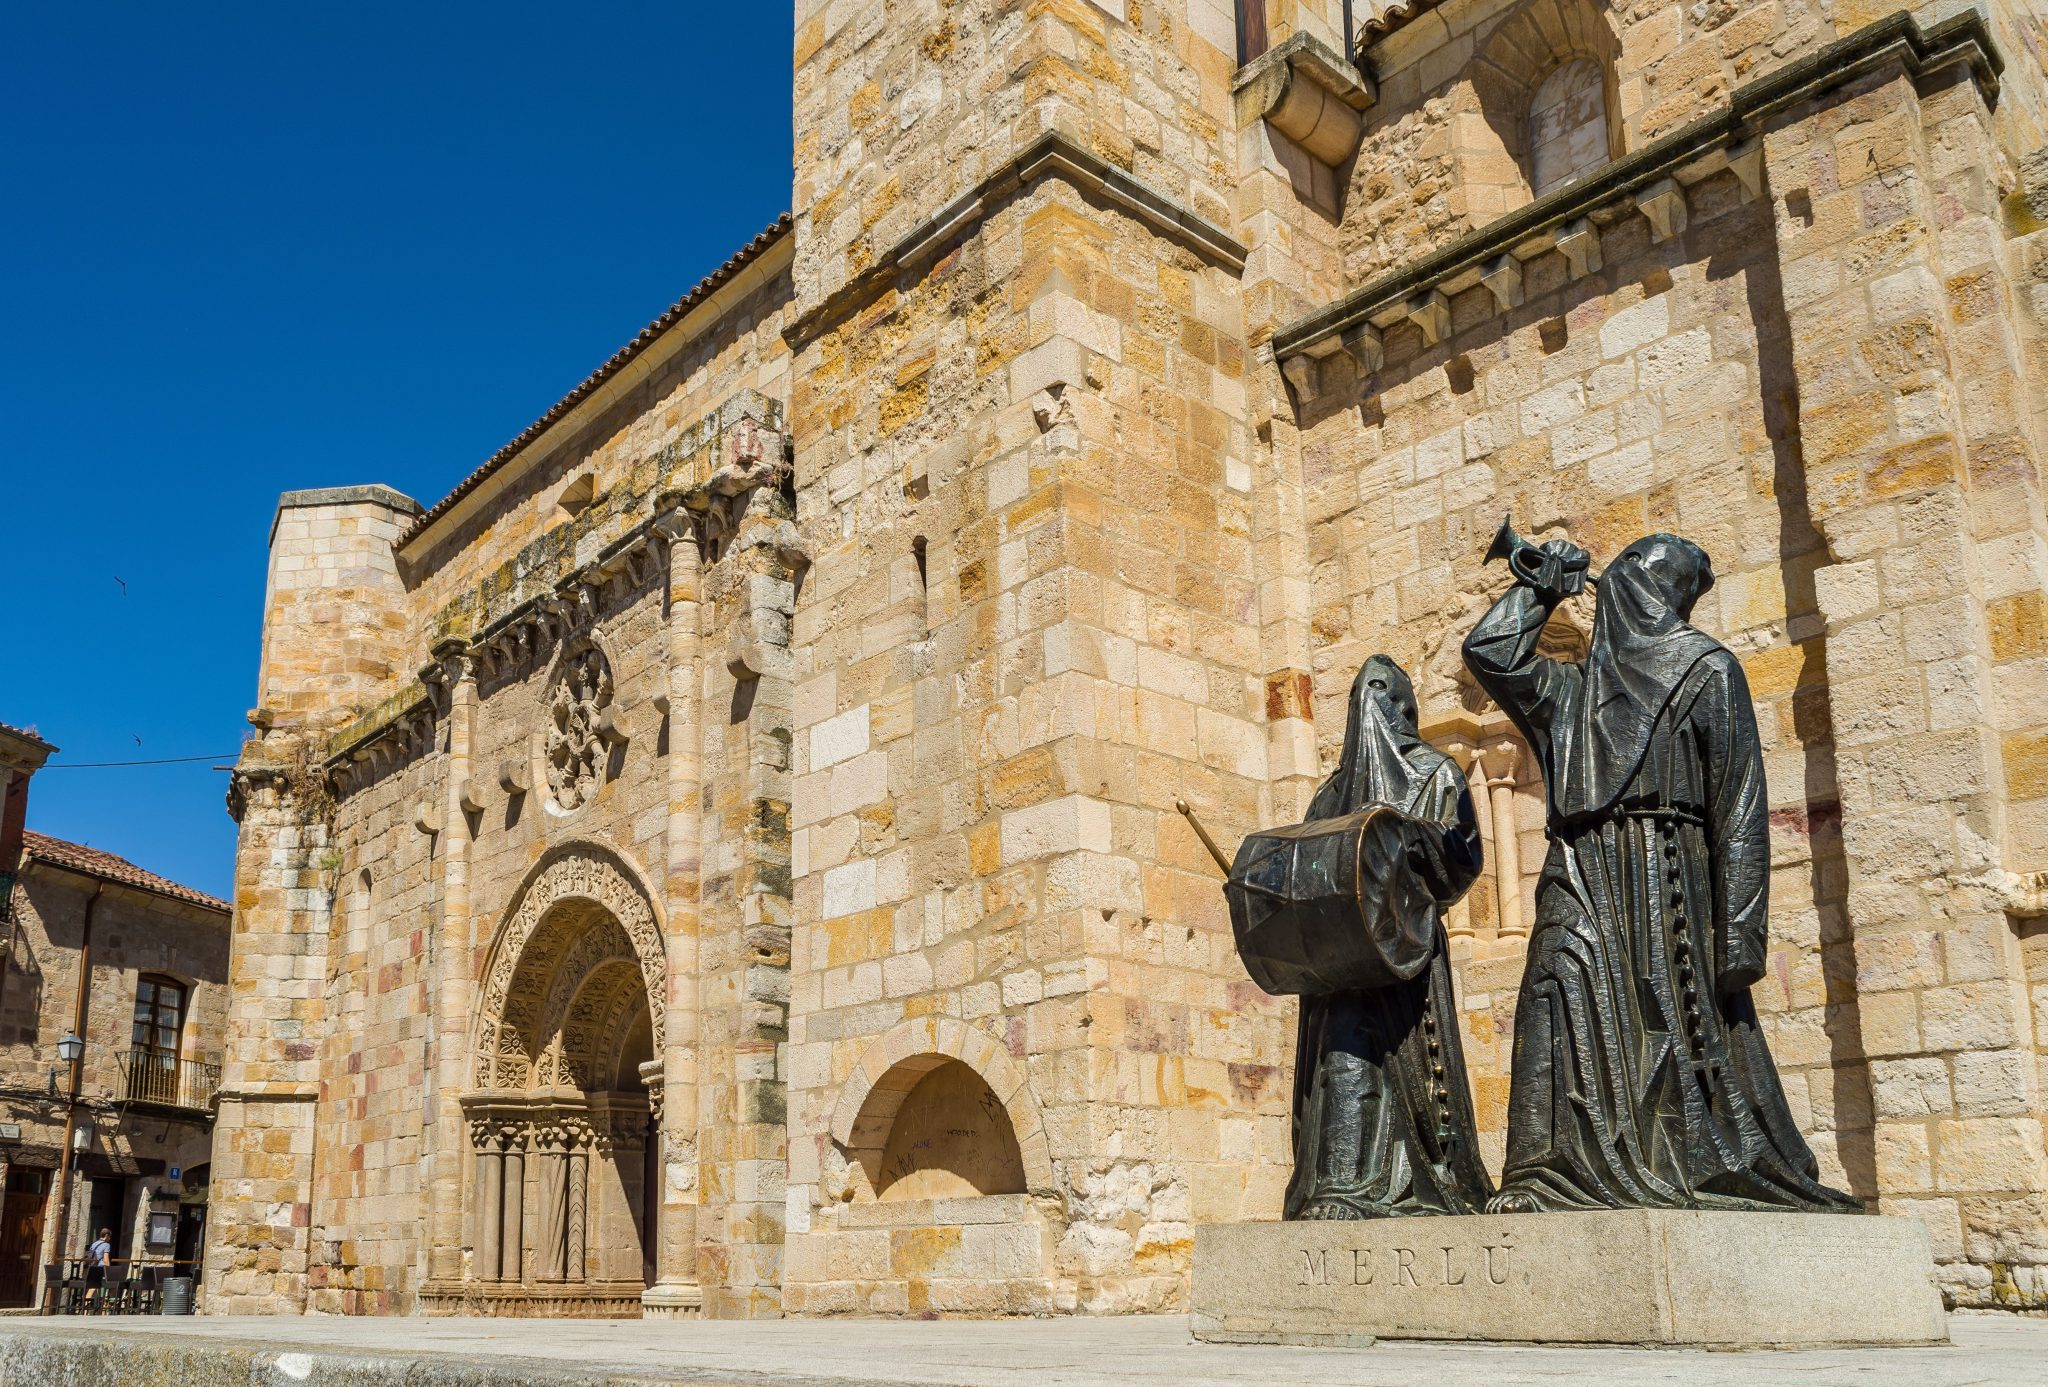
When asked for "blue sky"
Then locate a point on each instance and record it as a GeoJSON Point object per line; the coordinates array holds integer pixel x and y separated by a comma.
{"type": "Point", "coordinates": [251, 248]}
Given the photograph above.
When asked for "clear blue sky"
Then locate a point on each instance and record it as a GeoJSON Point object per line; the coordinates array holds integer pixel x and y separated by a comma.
{"type": "Point", "coordinates": [250, 248]}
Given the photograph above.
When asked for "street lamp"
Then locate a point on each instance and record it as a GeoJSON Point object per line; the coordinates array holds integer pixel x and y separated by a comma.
{"type": "Point", "coordinates": [70, 1048]}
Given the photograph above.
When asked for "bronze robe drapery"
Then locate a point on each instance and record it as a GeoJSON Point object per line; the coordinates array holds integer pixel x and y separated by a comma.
{"type": "Point", "coordinates": [1383, 1121]}
{"type": "Point", "coordinates": [1641, 1078]}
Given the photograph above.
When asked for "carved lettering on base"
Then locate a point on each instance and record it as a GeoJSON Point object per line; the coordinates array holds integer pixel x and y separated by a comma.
{"type": "Point", "coordinates": [1443, 1266]}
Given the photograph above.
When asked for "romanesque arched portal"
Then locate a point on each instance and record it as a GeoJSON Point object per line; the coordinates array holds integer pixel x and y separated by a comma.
{"type": "Point", "coordinates": [564, 1113]}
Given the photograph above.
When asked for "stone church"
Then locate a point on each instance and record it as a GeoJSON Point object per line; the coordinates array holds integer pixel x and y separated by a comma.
{"type": "Point", "coordinates": [723, 857]}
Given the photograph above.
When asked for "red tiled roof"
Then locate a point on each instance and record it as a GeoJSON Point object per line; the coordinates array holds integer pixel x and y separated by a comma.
{"type": "Point", "coordinates": [1394, 16]}
{"type": "Point", "coordinates": [107, 867]}
{"type": "Point", "coordinates": [674, 314]}
{"type": "Point", "coordinates": [25, 734]}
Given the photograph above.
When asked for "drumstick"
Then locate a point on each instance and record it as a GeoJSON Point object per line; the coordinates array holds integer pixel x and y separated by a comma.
{"type": "Point", "coordinates": [1203, 834]}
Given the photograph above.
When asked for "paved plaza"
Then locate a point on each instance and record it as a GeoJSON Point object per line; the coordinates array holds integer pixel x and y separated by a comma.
{"type": "Point", "coordinates": [1139, 1351]}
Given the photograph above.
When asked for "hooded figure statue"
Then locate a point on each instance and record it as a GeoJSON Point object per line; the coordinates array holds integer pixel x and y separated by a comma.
{"type": "Point", "coordinates": [1346, 911]}
{"type": "Point", "coordinates": [1641, 1079]}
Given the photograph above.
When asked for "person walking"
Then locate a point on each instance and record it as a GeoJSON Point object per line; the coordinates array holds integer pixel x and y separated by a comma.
{"type": "Point", "coordinates": [98, 1259]}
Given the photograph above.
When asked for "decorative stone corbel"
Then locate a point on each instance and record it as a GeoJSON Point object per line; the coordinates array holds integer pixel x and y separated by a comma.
{"type": "Point", "coordinates": [1663, 202]}
{"type": "Point", "coordinates": [472, 802]}
{"type": "Point", "coordinates": [1308, 93]}
{"type": "Point", "coordinates": [1579, 241]}
{"type": "Point", "coordinates": [1300, 370]}
{"type": "Point", "coordinates": [1747, 162]}
{"type": "Point", "coordinates": [1502, 276]}
{"type": "Point", "coordinates": [514, 776]}
{"type": "Point", "coordinates": [1367, 348]}
{"type": "Point", "coordinates": [426, 817]}
{"type": "Point", "coordinates": [552, 618]}
{"type": "Point", "coordinates": [580, 596]}
{"type": "Point", "coordinates": [1431, 311]}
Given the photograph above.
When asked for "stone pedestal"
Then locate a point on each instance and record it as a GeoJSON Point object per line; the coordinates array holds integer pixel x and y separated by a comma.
{"type": "Point", "coordinates": [672, 1300]}
{"type": "Point", "coordinates": [1638, 1276]}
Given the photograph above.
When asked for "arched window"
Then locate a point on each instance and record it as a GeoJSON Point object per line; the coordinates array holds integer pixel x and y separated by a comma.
{"type": "Point", "coordinates": [1544, 77]}
{"type": "Point", "coordinates": [1567, 124]}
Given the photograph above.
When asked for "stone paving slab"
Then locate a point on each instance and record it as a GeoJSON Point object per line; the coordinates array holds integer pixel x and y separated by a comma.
{"type": "Point", "coordinates": [1127, 1352]}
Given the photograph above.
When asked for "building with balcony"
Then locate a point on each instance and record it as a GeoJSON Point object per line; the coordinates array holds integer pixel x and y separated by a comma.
{"type": "Point", "coordinates": [135, 966]}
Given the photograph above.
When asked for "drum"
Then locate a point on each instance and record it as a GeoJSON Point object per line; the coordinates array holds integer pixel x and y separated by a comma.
{"type": "Point", "coordinates": [1335, 905]}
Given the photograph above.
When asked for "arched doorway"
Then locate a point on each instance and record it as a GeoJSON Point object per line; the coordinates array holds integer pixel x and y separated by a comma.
{"type": "Point", "coordinates": [565, 1116]}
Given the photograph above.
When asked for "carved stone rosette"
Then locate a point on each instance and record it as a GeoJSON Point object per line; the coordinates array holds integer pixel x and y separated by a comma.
{"type": "Point", "coordinates": [579, 719]}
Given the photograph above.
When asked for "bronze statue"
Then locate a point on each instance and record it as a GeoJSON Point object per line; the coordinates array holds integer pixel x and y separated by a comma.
{"type": "Point", "coordinates": [1641, 1078]}
{"type": "Point", "coordinates": [1345, 910]}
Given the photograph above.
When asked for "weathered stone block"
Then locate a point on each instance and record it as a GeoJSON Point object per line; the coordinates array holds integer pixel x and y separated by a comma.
{"type": "Point", "coordinates": [1726, 1280]}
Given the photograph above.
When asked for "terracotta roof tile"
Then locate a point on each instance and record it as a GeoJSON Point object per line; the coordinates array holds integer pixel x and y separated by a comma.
{"type": "Point", "coordinates": [674, 314]}
{"type": "Point", "coordinates": [26, 734]}
{"type": "Point", "coordinates": [107, 867]}
{"type": "Point", "coordinates": [1394, 16]}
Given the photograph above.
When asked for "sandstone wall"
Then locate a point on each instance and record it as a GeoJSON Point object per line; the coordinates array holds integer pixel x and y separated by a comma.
{"type": "Point", "coordinates": [1816, 365]}
{"type": "Point", "coordinates": [1124, 426]}
{"type": "Point", "coordinates": [392, 825]}
{"type": "Point", "coordinates": [1032, 625]}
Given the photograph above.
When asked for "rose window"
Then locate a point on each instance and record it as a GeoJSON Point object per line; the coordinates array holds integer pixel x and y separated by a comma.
{"type": "Point", "coordinates": [577, 714]}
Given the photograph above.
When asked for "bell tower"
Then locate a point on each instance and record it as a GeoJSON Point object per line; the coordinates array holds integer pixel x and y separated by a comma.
{"type": "Point", "coordinates": [1023, 452]}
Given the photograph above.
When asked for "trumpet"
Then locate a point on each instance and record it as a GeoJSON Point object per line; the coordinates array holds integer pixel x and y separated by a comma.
{"type": "Point", "coordinates": [1542, 571]}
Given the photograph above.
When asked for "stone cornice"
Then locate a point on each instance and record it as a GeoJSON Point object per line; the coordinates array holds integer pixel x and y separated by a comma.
{"type": "Point", "coordinates": [1050, 155]}
{"type": "Point", "coordinates": [370, 494]}
{"type": "Point", "coordinates": [553, 587]}
{"type": "Point", "coordinates": [1650, 180]}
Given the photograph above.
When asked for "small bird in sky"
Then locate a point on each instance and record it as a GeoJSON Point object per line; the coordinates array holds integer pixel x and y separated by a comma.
{"type": "Point", "coordinates": [124, 584]}
{"type": "Point", "coordinates": [138, 740]}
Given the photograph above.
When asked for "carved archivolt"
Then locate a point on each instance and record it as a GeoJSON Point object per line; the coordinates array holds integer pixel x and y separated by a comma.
{"type": "Point", "coordinates": [582, 908]}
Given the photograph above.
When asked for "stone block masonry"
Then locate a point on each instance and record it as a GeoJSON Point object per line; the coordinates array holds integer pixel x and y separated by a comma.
{"type": "Point", "coordinates": [662, 860]}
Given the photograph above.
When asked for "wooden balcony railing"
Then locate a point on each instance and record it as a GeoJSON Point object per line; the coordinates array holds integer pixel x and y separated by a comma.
{"type": "Point", "coordinates": [150, 1076]}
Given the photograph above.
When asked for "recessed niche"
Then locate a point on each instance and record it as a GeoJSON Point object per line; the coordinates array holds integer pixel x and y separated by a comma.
{"type": "Point", "coordinates": [950, 1139]}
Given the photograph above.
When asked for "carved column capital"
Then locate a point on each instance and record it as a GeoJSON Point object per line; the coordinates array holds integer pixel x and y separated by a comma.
{"type": "Point", "coordinates": [454, 663]}
{"type": "Point", "coordinates": [674, 521]}
{"type": "Point", "coordinates": [1504, 753]}
{"type": "Point", "coordinates": [557, 1135]}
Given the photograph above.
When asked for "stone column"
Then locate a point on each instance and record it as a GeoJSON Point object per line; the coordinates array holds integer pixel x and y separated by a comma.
{"type": "Point", "coordinates": [490, 1186]}
{"type": "Point", "coordinates": [452, 969]}
{"type": "Point", "coordinates": [551, 1201]}
{"type": "Point", "coordinates": [512, 1238]}
{"type": "Point", "coordinates": [629, 1160]}
{"type": "Point", "coordinates": [1507, 852]}
{"type": "Point", "coordinates": [618, 1146]}
{"type": "Point", "coordinates": [1458, 921]}
{"type": "Point", "coordinates": [676, 1291]}
{"type": "Point", "coordinates": [578, 1199]}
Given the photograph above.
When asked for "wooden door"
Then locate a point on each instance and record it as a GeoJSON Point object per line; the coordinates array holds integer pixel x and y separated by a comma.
{"type": "Point", "coordinates": [21, 1235]}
